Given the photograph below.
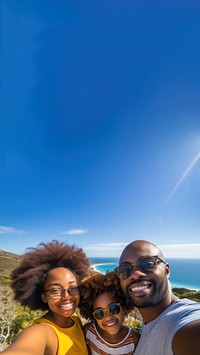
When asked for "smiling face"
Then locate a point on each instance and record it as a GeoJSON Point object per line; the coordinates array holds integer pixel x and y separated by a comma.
{"type": "Point", "coordinates": [145, 289]}
{"type": "Point", "coordinates": [112, 323]}
{"type": "Point", "coordinates": [65, 305]}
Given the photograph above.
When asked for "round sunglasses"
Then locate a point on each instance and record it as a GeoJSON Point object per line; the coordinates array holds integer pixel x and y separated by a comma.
{"type": "Point", "coordinates": [145, 264]}
{"type": "Point", "coordinates": [100, 313]}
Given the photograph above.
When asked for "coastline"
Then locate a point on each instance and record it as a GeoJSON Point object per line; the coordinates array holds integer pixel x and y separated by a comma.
{"type": "Point", "coordinates": [175, 284]}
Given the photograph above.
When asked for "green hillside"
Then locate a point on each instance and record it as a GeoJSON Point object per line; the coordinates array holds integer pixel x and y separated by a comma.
{"type": "Point", "coordinates": [8, 261]}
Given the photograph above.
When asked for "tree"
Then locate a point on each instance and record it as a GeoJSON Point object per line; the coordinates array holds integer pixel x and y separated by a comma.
{"type": "Point", "coordinates": [7, 316]}
{"type": "Point", "coordinates": [13, 318]}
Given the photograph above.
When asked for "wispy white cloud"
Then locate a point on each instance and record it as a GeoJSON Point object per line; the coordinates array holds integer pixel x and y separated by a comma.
{"type": "Point", "coordinates": [10, 230]}
{"type": "Point", "coordinates": [169, 251]}
{"type": "Point", "coordinates": [75, 231]}
{"type": "Point", "coordinates": [114, 246]}
{"type": "Point", "coordinates": [185, 251]}
{"type": "Point", "coordinates": [105, 249]}
{"type": "Point", "coordinates": [183, 177]}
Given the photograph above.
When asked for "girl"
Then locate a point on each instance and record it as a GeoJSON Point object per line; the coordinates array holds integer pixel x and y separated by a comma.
{"type": "Point", "coordinates": [102, 303]}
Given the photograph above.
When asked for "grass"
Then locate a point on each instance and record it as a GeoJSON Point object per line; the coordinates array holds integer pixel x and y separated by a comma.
{"type": "Point", "coordinates": [8, 261]}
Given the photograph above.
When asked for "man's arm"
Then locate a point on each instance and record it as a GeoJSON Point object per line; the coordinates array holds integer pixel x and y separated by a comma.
{"type": "Point", "coordinates": [187, 340]}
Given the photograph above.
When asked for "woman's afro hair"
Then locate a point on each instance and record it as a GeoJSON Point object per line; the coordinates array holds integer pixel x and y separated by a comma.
{"type": "Point", "coordinates": [28, 278]}
{"type": "Point", "coordinates": [96, 284]}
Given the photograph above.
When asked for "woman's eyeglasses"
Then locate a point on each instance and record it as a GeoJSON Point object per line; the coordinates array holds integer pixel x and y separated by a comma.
{"type": "Point", "coordinates": [145, 264]}
{"type": "Point", "coordinates": [100, 313]}
{"type": "Point", "coordinates": [56, 293]}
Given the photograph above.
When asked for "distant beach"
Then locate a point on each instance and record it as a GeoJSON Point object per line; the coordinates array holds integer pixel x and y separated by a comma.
{"type": "Point", "coordinates": [184, 272]}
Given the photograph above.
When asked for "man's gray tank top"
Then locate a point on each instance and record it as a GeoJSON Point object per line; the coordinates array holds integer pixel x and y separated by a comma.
{"type": "Point", "coordinates": [157, 335]}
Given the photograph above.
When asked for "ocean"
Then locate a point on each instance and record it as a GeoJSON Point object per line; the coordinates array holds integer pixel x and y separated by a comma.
{"type": "Point", "coordinates": [184, 272]}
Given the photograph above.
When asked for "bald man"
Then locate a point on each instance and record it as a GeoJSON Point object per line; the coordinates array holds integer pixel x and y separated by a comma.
{"type": "Point", "coordinates": [171, 326]}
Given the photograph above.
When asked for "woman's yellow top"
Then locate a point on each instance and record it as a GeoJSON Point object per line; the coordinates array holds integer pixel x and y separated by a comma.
{"type": "Point", "coordinates": [70, 340]}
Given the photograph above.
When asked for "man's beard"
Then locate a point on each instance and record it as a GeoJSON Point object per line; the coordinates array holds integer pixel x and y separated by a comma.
{"type": "Point", "coordinates": [155, 296]}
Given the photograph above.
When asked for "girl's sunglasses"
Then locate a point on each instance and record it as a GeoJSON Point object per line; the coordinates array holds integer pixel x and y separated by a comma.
{"type": "Point", "coordinates": [145, 264]}
{"type": "Point", "coordinates": [100, 313]}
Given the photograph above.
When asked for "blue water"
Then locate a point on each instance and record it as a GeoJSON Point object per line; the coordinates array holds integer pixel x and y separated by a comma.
{"type": "Point", "coordinates": [184, 272]}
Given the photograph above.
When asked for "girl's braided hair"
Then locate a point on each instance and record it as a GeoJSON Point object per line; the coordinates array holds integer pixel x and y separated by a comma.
{"type": "Point", "coordinates": [28, 278]}
{"type": "Point", "coordinates": [96, 284]}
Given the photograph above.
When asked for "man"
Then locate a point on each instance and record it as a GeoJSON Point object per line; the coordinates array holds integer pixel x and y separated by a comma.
{"type": "Point", "coordinates": [170, 326]}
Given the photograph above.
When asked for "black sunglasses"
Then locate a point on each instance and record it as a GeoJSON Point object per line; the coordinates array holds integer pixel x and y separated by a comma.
{"type": "Point", "coordinates": [145, 264]}
{"type": "Point", "coordinates": [100, 313]}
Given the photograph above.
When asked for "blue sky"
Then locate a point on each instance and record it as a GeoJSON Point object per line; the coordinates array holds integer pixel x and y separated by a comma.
{"type": "Point", "coordinates": [100, 125]}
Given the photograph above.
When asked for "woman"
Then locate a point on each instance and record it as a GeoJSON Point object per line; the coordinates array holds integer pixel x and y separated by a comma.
{"type": "Point", "coordinates": [48, 278]}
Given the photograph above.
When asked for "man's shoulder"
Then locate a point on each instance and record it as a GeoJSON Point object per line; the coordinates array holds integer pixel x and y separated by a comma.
{"type": "Point", "coordinates": [186, 301]}
{"type": "Point", "coordinates": [185, 315]}
{"type": "Point", "coordinates": [176, 315]}
{"type": "Point", "coordinates": [184, 304]}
